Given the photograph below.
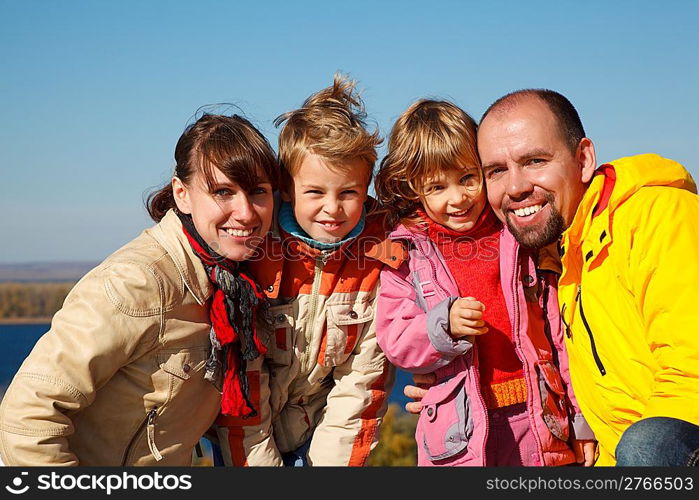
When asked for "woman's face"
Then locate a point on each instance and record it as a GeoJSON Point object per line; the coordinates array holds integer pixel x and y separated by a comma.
{"type": "Point", "coordinates": [231, 220]}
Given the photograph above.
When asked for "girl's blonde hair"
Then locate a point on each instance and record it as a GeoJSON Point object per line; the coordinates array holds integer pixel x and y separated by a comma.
{"type": "Point", "coordinates": [331, 123]}
{"type": "Point", "coordinates": [429, 137]}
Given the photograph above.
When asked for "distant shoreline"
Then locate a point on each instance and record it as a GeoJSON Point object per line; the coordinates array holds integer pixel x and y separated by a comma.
{"type": "Point", "coordinates": [26, 321]}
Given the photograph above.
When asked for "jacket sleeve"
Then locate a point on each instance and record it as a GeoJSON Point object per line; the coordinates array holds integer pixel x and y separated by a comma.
{"type": "Point", "coordinates": [250, 442]}
{"type": "Point", "coordinates": [348, 428]}
{"type": "Point", "coordinates": [664, 271]}
{"type": "Point", "coordinates": [110, 317]}
{"type": "Point", "coordinates": [414, 339]}
{"type": "Point", "coordinates": [579, 426]}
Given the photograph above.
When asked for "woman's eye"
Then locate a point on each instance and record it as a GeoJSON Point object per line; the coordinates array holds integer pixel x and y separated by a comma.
{"type": "Point", "coordinates": [259, 190]}
{"type": "Point", "coordinates": [223, 192]}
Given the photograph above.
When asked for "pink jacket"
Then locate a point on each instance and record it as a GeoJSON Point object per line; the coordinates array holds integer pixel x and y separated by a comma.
{"type": "Point", "coordinates": [412, 329]}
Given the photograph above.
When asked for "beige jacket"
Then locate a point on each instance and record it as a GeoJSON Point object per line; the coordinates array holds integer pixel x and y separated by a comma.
{"type": "Point", "coordinates": [324, 377]}
{"type": "Point", "coordinates": [119, 377]}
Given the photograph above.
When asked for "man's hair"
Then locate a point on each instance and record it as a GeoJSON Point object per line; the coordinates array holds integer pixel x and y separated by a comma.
{"type": "Point", "coordinates": [429, 137]}
{"type": "Point", "coordinates": [331, 124]}
{"type": "Point", "coordinates": [569, 124]}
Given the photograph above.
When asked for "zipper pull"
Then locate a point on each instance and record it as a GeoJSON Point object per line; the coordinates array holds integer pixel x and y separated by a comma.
{"type": "Point", "coordinates": [324, 255]}
{"type": "Point", "coordinates": [563, 319]}
{"type": "Point", "coordinates": [151, 434]}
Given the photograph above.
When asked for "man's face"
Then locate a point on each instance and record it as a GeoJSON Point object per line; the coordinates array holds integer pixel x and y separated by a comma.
{"type": "Point", "coordinates": [534, 181]}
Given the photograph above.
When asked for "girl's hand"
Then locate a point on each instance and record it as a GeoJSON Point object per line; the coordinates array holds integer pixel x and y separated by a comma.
{"type": "Point", "coordinates": [585, 450]}
{"type": "Point", "coordinates": [466, 318]}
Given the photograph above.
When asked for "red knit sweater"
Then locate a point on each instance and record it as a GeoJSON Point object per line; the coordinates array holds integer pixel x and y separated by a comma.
{"type": "Point", "coordinates": [473, 259]}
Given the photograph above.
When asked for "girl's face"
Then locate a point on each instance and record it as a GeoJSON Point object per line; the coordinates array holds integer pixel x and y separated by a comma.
{"type": "Point", "coordinates": [231, 220]}
{"type": "Point", "coordinates": [455, 198]}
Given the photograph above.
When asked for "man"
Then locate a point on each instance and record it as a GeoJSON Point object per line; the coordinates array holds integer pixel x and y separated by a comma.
{"type": "Point", "coordinates": [630, 255]}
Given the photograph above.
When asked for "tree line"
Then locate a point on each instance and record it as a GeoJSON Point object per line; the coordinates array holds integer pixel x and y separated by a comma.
{"type": "Point", "coordinates": [32, 300]}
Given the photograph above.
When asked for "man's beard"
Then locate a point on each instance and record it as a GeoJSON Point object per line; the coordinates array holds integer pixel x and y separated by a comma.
{"type": "Point", "coordinates": [535, 236]}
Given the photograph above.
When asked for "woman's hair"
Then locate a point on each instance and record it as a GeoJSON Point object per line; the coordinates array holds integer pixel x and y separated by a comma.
{"type": "Point", "coordinates": [429, 137]}
{"type": "Point", "coordinates": [331, 124]}
{"type": "Point", "coordinates": [230, 143]}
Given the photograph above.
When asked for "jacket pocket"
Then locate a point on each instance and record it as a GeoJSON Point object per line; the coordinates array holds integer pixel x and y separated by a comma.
{"type": "Point", "coordinates": [553, 403]}
{"type": "Point", "coordinates": [345, 323]}
{"type": "Point", "coordinates": [445, 421]}
{"type": "Point", "coordinates": [280, 339]}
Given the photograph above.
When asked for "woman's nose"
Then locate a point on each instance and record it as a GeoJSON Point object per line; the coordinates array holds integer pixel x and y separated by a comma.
{"type": "Point", "coordinates": [242, 209]}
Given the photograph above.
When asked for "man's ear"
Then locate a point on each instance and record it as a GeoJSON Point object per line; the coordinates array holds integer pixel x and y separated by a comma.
{"type": "Point", "coordinates": [181, 194]}
{"type": "Point", "coordinates": [586, 158]}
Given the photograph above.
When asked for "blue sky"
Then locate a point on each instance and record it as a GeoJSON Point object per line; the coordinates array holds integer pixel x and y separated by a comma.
{"type": "Point", "coordinates": [94, 95]}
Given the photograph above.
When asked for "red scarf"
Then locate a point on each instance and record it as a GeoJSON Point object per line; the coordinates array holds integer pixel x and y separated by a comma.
{"type": "Point", "coordinates": [234, 306]}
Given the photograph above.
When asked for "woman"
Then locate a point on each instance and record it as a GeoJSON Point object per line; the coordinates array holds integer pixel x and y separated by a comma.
{"type": "Point", "coordinates": [119, 379]}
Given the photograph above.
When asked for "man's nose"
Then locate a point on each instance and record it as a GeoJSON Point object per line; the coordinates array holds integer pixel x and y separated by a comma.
{"type": "Point", "coordinates": [518, 184]}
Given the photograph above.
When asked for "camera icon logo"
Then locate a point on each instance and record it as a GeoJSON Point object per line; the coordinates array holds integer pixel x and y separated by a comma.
{"type": "Point", "coordinates": [17, 483]}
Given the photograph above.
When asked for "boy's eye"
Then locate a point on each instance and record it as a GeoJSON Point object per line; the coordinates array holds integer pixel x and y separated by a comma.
{"type": "Point", "coordinates": [349, 191]}
{"type": "Point", "coordinates": [313, 191]}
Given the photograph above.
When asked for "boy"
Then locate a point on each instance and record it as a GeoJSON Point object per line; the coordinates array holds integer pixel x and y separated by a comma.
{"type": "Point", "coordinates": [321, 390]}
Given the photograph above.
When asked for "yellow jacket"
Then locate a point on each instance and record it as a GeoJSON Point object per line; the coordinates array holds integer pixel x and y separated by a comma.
{"type": "Point", "coordinates": [629, 295]}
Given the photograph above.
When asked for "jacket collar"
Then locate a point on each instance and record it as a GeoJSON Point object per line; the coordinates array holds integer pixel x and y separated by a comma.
{"type": "Point", "coordinates": [168, 232]}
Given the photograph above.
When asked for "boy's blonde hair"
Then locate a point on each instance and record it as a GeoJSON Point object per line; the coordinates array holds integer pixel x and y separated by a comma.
{"type": "Point", "coordinates": [331, 124]}
{"type": "Point", "coordinates": [430, 136]}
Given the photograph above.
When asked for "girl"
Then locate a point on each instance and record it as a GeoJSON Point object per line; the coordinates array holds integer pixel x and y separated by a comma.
{"type": "Point", "coordinates": [119, 379]}
{"type": "Point", "coordinates": [503, 394]}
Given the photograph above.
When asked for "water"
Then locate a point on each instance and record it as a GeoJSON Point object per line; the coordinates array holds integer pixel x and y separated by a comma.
{"type": "Point", "coordinates": [16, 343]}
{"type": "Point", "coordinates": [18, 340]}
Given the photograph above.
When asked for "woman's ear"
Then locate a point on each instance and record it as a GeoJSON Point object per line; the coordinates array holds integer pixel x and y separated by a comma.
{"type": "Point", "coordinates": [181, 194]}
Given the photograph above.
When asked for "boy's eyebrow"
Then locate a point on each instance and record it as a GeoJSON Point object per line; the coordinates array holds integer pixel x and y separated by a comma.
{"type": "Point", "coordinates": [313, 186]}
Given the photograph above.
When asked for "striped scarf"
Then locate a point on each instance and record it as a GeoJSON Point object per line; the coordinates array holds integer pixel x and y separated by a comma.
{"type": "Point", "coordinates": [236, 301]}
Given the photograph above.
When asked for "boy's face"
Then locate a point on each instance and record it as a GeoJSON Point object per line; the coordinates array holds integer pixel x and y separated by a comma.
{"type": "Point", "coordinates": [455, 198]}
{"type": "Point", "coordinates": [328, 201]}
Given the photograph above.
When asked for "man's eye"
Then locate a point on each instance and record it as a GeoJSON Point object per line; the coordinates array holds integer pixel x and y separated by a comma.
{"type": "Point", "coordinates": [536, 161]}
{"type": "Point", "coordinates": [494, 172]}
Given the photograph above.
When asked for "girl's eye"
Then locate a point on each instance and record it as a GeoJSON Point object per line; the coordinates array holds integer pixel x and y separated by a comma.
{"type": "Point", "coordinates": [313, 191]}
{"type": "Point", "coordinates": [349, 191]}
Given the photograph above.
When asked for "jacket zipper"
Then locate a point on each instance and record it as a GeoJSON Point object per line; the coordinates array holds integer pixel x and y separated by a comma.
{"type": "Point", "coordinates": [310, 325]}
{"type": "Point", "coordinates": [151, 434]}
{"type": "Point", "coordinates": [520, 352]}
{"type": "Point", "coordinates": [147, 422]}
{"type": "Point", "coordinates": [595, 355]}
